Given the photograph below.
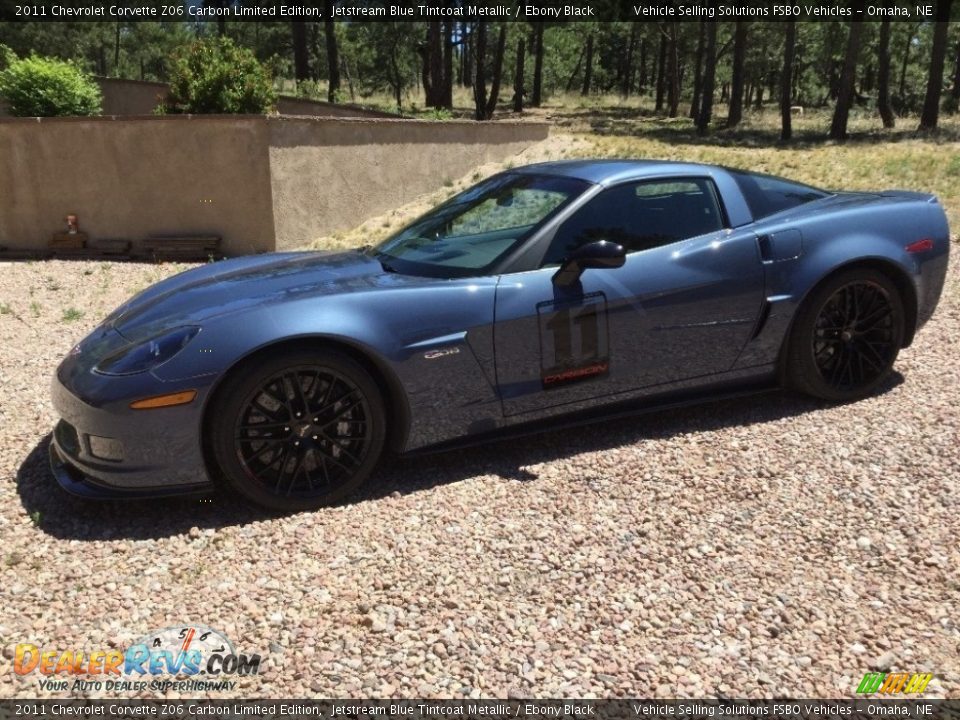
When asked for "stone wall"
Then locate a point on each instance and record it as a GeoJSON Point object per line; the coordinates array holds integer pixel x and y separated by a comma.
{"type": "Point", "coordinates": [260, 183]}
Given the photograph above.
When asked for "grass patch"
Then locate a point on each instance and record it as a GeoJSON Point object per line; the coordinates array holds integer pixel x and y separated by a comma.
{"type": "Point", "coordinates": [72, 314]}
{"type": "Point", "coordinates": [5, 309]}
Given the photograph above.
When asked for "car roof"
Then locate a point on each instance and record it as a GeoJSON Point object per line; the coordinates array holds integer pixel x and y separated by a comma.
{"type": "Point", "coordinates": [604, 172]}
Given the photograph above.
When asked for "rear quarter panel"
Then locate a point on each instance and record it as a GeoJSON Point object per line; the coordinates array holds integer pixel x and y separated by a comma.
{"type": "Point", "coordinates": [842, 230]}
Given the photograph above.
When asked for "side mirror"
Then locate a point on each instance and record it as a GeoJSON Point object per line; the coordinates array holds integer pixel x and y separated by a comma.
{"type": "Point", "coordinates": [599, 254]}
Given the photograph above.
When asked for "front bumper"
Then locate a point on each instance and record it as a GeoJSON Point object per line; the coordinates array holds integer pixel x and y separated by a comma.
{"type": "Point", "coordinates": [76, 483]}
{"type": "Point", "coordinates": [158, 451]}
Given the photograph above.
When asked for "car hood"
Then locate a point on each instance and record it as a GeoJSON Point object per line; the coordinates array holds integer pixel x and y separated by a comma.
{"type": "Point", "coordinates": [231, 286]}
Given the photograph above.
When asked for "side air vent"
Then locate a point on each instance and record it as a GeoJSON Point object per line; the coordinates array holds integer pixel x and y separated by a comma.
{"type": "Point", "coordinates": [781, 245]}
{"type": "Point", "coordinates": [761, 320]}
{"type": "Point", "coordinates": [766, 249]}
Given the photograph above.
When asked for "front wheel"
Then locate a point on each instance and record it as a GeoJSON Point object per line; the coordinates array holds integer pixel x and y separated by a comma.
{"type": "Point", "coordinates": [298, 431]}
{"type": "Point", "coordinates": [846, 336]}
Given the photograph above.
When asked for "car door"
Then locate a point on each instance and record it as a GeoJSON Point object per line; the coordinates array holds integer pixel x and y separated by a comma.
{"type": "Point", "coordinates": [682, 305]}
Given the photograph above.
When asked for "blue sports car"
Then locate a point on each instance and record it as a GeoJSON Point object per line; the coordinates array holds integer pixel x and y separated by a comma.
{"type": "Point", "coordinates": [558, 289]}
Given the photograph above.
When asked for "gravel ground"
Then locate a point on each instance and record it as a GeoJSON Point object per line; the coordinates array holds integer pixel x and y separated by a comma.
{"type": "Point", "coordinates": [758, 547]}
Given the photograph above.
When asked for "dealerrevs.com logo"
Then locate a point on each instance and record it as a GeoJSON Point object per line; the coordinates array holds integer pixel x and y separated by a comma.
{"type": "Point", "coordinates": [168, 659]}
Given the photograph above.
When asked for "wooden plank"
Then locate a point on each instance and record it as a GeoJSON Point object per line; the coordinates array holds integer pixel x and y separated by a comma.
{"type": "Point", "coordinates": [68, 240]}
{"type": "Point", "coordinates": [111, 246]}
{"type": "Point", "coordinates": [183, 247]}
{"type": "Point", "coordinates": [195, 242]}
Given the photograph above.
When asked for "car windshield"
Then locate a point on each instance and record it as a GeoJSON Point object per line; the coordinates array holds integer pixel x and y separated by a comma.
{"type": "Point", "coordinates": [470, 233]}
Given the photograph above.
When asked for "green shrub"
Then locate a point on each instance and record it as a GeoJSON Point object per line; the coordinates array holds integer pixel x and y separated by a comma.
{"type": "Point", "coordinates": [216, 76]}
{"type": "Point", "coordinates": [46, 87]}
{"type": "Point", "coordinates": [7, 56]}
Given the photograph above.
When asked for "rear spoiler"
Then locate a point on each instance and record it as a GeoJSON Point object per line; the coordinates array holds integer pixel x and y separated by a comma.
{"type": "Point", "coordinates": [910, 195]}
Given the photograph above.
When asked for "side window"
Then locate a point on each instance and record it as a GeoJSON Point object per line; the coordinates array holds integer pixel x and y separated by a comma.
{"type": "Point", "coordinates": [641, 216]}
{"type": "Point", "coordinates": [766, 194]}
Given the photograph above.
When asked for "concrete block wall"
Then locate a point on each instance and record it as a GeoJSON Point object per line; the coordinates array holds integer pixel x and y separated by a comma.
{"type": "Point", "coordinates": [261, 183]}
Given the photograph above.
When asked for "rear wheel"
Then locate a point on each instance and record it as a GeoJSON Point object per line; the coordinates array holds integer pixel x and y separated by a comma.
{"type": "Point", "coordinates": [846, 336]}
{"type": "Point", "coordinates": [298, 431]}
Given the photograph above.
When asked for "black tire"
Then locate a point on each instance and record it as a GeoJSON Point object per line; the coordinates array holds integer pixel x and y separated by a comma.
{"type": "Point", "coordinates": [846, 336]}
{"type": "Point", "coordinates": [278, 459]}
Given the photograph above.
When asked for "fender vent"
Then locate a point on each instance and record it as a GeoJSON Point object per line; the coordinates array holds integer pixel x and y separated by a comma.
{"type": "Point", "coordinates": [766, 250]}
{"type": "Point", "coordinates": [761, 320]}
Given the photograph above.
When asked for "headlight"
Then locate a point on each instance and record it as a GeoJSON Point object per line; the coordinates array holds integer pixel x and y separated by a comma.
{"type": "Point", "coordinates": [148, 354]}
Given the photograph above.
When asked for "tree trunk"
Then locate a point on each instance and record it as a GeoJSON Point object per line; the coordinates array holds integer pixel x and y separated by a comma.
{"type": "Point", "coordinates": [931, 104]}
{"type": "Point", "coordinates": [797, 76]}
{"type": "Point", "coordinates": [301, 55]}
{"type": "Point", "coordinates": [480, 80]}
{"type": "Point", "coordinates": [786, 81]}
{"type": "Point", "coordinates": [867, 82]}
{"type": "Point", "coordinates": [345, 69]}
{"type": "Point", "coordinates": [673, 72]}
{"type": "Point", "coordinates": [838, 128]}
{"type": "Point", "coordinates": [436, 63]}
{"type": "Point", "coordinates": [758, 100]}
{"type": "Point", "coordinates": [313, 43]}
{"type": "Point", "coordinates": [395, 80]}
{"type": "Point", "coordinates": [955, 92]}
{"type": "Point", "coordinates": [116, 50]}
{"type": "Point", "coordinates": [698, 72]}
{"type": "Point", "coordinates": [537, 64]}
{"type": "Point", "coordinates": [518, 78]}
{"type": "Point", "coordinates": [902, 90]}
{"type": "Point", "coordinates": [576, 70]}
{"type": "Point", "coordinates": [447, 97]}
{"type": "Point", "coordinates": [333, 55]}
{"type": "Point", "coordinates": [626, 82]}
{"type": "Point", "coordinates": [588, 70]}
{"type": "Point", "coordinates": [643, 66]}
{"type": "Point", "coordinates": [468, 52]}
{"type": "Point", "coordinates": [883, 75]}
{"type": "Point", "coordinates": [463, 54]}
{"type": "Point", "coordinates": [497, 72]}
{"type": "Point", "coordinates": [709, 78]}
{"type": "Point", "coordinates": [433, 71]}
{"type": "Point", "coordinates": [221, 21]}
{"type": "Point", "coordinates": [661, 67]}
{"type": "Point", "coordinates": [735, 115]}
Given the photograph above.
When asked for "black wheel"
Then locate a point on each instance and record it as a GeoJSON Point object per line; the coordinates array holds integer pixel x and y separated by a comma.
{"type": "Point", "coordinates": [846, 336]}
{"type": "Point", "coordinates": [298, 431]}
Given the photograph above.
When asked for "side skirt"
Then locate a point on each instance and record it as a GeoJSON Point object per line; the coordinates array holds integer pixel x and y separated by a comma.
{"type": "Point", "coordinates": [624, 409]}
